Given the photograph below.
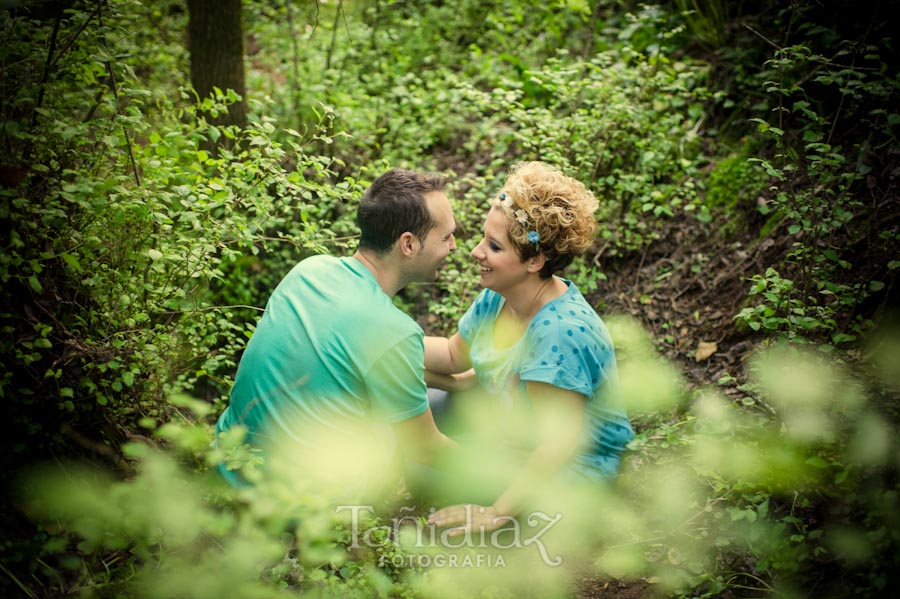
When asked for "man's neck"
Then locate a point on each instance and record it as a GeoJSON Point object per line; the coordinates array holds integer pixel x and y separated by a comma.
{"type": "Point", "coordinates": [384, 274]}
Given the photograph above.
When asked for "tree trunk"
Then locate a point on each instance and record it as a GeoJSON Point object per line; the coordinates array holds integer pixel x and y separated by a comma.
{"type": "Point", "coordinates": [216, 44]}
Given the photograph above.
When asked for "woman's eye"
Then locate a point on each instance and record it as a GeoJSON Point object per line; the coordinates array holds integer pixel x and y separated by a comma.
{"type": "Point", "coordinates": [494, 246]}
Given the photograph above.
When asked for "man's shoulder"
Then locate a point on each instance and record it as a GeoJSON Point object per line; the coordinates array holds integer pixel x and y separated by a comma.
{"type": "Point", "coordinates": [324, 269]}
{"type": "Point", "coordinates": [351, 296]}
{"type": "Point", "coordinates": [318, 261]}
{"type": "Point", "coordinates": [390, 318]}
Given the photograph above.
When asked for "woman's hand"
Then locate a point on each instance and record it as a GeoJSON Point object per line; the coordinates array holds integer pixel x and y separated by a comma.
{"type": "Point", "coordinates": [470, 517]}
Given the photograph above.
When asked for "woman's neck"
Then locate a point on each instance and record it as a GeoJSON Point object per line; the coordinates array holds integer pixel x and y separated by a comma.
{"type": "Point", "coordinates": [531, 296]}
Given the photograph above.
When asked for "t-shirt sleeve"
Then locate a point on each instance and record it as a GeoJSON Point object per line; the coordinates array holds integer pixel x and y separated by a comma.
{"type": "Point", "coordinates": [395, 381]}
{"type": "Point", "coordinates": [565, 356]}
{"type": "Point", "coordinates": [474, 317]}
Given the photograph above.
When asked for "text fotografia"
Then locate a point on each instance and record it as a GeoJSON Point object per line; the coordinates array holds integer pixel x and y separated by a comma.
{"type": "Point", "coordinates": [426, 537]}
{"type": "Point", "coordinates": [444, 560]}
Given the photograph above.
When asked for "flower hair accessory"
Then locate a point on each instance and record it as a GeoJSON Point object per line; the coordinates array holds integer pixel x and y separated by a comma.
{"type": "Point", "coordinates": [522, 218]}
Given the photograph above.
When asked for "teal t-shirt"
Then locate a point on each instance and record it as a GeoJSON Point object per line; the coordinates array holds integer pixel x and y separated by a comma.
{"type": "Point", "coordinates": [566, 345]}
{"type": "Point", "coordinates": [331, 347]}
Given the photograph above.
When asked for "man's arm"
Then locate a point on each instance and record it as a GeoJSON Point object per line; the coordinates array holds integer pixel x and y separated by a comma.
{"type": "Point", "coordinates": [420, 440]}
{"type": "Point", "coordinates": [453, 383]}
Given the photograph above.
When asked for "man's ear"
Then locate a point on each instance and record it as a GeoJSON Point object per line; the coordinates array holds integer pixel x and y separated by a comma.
{"type": "Point", "coordinates": [536, 263]}
{"type": "Point", "coordinates": [408, 243]}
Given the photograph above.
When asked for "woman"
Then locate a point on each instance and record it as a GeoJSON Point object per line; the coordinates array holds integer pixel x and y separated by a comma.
{"type": "Point", "coordinates": [534, 340]}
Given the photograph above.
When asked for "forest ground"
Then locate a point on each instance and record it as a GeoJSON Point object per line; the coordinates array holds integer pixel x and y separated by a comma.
{"type": "Point", "coordinates": [682, 307]}
{"type": "Point", "coordinates": [692, 307]}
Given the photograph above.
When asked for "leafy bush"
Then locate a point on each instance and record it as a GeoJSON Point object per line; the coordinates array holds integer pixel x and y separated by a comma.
{"type": "Point", "coordinates": [135, 264]}
{"type": "Point", "coordinates": [120, 239]}
{"type": "Point", "coordinates": [726, 499]}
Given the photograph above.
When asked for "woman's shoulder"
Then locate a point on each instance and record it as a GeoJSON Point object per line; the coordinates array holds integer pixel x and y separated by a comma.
{"type": "Point", "coordinates": [569, 316]}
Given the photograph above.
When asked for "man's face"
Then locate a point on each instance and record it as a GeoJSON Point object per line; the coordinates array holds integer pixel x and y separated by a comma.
{"type": "Point", "coordinates": [440, 240]}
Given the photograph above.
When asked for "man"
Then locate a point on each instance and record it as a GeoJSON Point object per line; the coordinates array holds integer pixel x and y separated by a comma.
{"type": "Point", "coordinates": [332, 357]}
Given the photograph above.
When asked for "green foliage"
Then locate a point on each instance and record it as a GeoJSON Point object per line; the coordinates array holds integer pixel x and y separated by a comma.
{"type": "Point", "coordinates": [726, 499]}
{"type": "Point", "coordinates": [778, 307]}
{"type": "Point", "coordinates": [120, 239]}
{"type": "Point", "coordinates": [817, 187]}
{"type": "Point", "coordinates": [736, 487]}
{"type": "Point", "coordinates": [737, 183]}
{"type": "Point", "coordinates": [135, 264]}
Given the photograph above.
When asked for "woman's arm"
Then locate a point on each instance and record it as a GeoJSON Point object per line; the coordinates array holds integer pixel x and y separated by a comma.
{"type": "Point", "coordinates": [559, 416]}
{"type": "Point", "coordinates": [446, 355]}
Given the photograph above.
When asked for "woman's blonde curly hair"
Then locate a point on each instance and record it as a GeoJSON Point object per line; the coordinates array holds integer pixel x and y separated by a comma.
{"type": "Point", "coordinates": [539, 198]}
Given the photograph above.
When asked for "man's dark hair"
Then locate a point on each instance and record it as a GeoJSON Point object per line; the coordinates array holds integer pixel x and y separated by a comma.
{"type": "Point", "coordinates": [393, 204]}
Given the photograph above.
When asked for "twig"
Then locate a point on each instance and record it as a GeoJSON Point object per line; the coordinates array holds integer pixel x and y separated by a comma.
{"type": "Point", "coordinates": [637, 273]}
{"type": "Point", "coordinates": [315, 22]}
{"type": "Point", "coordinates": [334, 27]}
{"type": "Point", "coordinates": [81, 29]}
{"type": "Point", "coordinates": [209, 308]}
{"type": "Point", "coordinates": [95, 446]}
{"type": "Point", "coordinates": [763, 38]}
{"type": "Point", "coordinates": [115, 90]}
{"type": "Point", "coordinates": [343, 13]}
{"type": "Point", "coordinates": [47, 67]}
{"type": "Point", "coordinates": [18, 582]}
{"type": "Point", "coordinates": [295, 56]}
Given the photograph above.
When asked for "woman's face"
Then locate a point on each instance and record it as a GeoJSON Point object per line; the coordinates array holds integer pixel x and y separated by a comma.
{"type": "Point", "coordinates": [497, 258]}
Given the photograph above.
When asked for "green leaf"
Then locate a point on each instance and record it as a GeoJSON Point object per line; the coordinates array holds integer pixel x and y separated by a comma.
{"type": "Point", "coordinates": [72, 261]}
{"type": "Point", "coordinates": [841, 476]}
{"type": "Point", "coordinates": [817, 462]}
{"type": "Point", "coordinates": [704, 216]}
{"type": "Point", "coordinates": [135, 450]}
{"type": "Point", "coordinates": [315, 575]}
{"type": "Point", "coordinates": [839, 338]}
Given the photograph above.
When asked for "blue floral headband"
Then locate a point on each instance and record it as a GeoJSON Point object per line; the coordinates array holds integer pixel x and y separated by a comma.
{"type": "Point", "coordinates": [522, 218]}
